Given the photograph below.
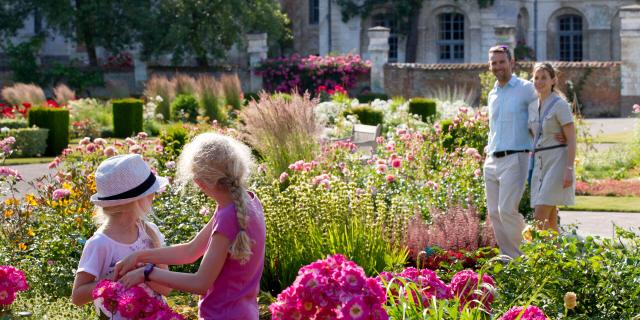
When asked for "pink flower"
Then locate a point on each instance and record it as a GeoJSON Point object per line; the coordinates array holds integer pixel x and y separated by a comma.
{"type": "Point", "coordinates": [7, 296]}
{"type": "Point", "coordinates": [159, 148]}
{"type": "Point", "coordinates": [355, 309]}
{"type": "Point", "coordinates": [468, 287]}
{"type": "Point", "coordinates": [142, 135]}
{"type": "Point", "coordinates": [130, 141]}
{"type": "Point", "coordinates": [438, 128]}
{"type": "Point", "coordinates": [204, 211]}
{"type": "Point", "coordinates": [60, 194]}
{"type": "Point", "coordinates": [170, 164]}
{"type": "Point", "coordinates": [381, 168]}
{"type": "Point", "coordinates": [477, 173]}
{"type": "Point", "coordinates": [91, 147]}
{"type": "Point", "coordinates": [109, 151]}
{"type": "Point", "coordinates": [84, 141]}
{"type": "Point", "coordinates": [396, 163]}
{"type": "Point", "coordinates": [100, 141]}
{"type": "Point", "coordinates": [432, 185]}
{"type": "Point", "coordinates": [8, 172]}
{"type": "Point", "coordinates": [283, 177]}
{"type": "Point", "coordinates": [390, 178]}
{"type": "Point", "coordinates": [54, 163]}
{"type": "Point", "coordinates": [528, 313]}
{"type": "Point", "coordinates": [135, 149]}
{"type": "Point", "coordinates": [636, 108]}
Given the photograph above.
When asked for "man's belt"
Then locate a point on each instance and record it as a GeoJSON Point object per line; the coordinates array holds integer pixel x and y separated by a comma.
{"type": "Point", "coordinates": [500, 154]}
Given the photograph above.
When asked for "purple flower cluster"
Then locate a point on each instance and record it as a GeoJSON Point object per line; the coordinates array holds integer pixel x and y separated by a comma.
{"type": "Point", "coordinates": [132, 303]}
{"type": "Point", "coordinates": [5, 145]}
{"type": "Point", "coordinates": [465, 286]}
{"type": "Point", "coordinates": [333, 288]}
{"type": "Point", "coordinates": [528, 313]}
{"type": "Point", "coordinates": [312, 72]}
{"type": "Point", "coordinates": [12, 280]}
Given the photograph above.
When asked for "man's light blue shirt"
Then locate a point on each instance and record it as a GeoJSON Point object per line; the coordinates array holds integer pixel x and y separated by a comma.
{"type": "Point", "coordinates": [508, 115]}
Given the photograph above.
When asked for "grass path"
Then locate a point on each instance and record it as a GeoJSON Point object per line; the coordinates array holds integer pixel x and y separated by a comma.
{"type": "Point", "coordinates": [605, 204]}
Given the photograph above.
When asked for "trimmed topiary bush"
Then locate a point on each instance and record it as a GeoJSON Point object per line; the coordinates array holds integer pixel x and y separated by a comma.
{"type": "Point", "coordinates": [57, 121]}
{"type": "Point", "coordinates": [368, 97]}
{"type": "Point", "coordinates": [30, 142]}
{"type": "Point", "coordinates": [185, 107]}
{"type": "Point", "coordinates": [127, 117]}
{"type": "Point", "coordinates": [425, 108]}
{"type": "Point", "coordinates": [366, 115]}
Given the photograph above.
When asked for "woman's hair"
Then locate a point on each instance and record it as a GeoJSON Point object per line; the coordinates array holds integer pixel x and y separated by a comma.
{"type": "Point", "coordinates": [220, 160]}
{"type": "Point", "coordinates": [546, 66]}
{"type": "Point", "coordinates": [140, 207]}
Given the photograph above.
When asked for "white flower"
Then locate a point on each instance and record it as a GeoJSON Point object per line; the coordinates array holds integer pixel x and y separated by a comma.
{"type": "Point", "coordinates": [4, 129]}
{"type": "Point", "coordinates": [159, 99]}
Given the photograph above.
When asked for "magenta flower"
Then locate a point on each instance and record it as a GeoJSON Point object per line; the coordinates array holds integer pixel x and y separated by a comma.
{"type": "Point", "coordinates": [355, 309]}
{"type": "Point", "coordinates": [530, 313]}
{"type": "Point", "coordinates": [469, 288]}
{"type": "Point", "coordinates": [390, 178]}
{"type": "Point", "coordinates": [636, 108]}
{"type": "Point", "coordinates": [60, 194]}
{"type": "Point", "coordinates": [7, 296]}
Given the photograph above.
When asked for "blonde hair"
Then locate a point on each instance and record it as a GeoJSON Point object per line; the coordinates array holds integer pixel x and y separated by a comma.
{"type": "Point", "coordinates": [553, 73]}
{"type": "Point", "coordinates": [220, 160]}
{"type": "Point", "coordinates": [141, 209]}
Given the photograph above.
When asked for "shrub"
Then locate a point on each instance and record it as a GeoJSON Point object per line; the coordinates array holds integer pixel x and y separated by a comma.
{"type": "Point", "coordinates": [232, 90]}
{"type": "Point", "coordinates": [185, 107]}
{"type": "Point", "coordinates": [127, 117]}
{"type": "Point", "coordinates": [281, 131]}
{"type": "Point", "coordinates": [309, 73]}
{"type": "Point", "coordinates": [63, 94]}
{"type": "Point", "coordinates": [210, 98]}
{"type": "Point", "coordinates": [30, 142]}
{"type": "Point", "coordinates": [13, 123]}
{"type": "Point", "coordinates": [163, 87]}
{"type": "Point", "coordinates": [425, 108]}
{"type": "Point", "coordinates": [98, 113]}
{"type": "Point", "coordinates": [174, 138]}
{"type": "Point", "coordinates": [251, 96]}
{"type": "Point", "coordinates": [57, 121]}
{"type": "Point", "coordinates": [21, 92]}
{"type": "Point", "coordinates": [369, 97]}
{"type": "Point", "coordinates": [367, 115]}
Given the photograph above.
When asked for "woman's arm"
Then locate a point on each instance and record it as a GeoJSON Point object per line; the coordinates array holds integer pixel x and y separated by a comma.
{"type": "Point", "coordinates": [184, 253]}
{"type": "Point", "coordinates": [569, 131]}
{"type": "Point", "coordinates": [83, 285]}
{"type": "Point", "coordinates": [198, 282]}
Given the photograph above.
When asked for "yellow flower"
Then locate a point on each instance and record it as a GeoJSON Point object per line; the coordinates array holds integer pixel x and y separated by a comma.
{"type": "Point", "coordinates": [31, 200]}
{"type": "Point", "coordinates": [22, 246]}
{"type": "Point", "coordinates": [11, 201]}
{"type": "Point", "coordinates": [30, 232]}
{"type": "Point", "coordinates": [8, 213]}
{"type": "Point", "coordinates": [570, 300]}
{"type": "Point", "coordinates": [527, 233]}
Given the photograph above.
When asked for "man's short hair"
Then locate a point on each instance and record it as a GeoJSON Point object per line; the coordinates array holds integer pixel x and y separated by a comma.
{"type": "Point", "coordinates": [501, 49]}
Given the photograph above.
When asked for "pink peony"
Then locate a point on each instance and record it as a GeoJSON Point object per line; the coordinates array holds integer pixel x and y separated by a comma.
{"type": "Point", "coordinates": [109, 151]}
{"type": "Point", "coordinates": [91, 147]}
{"type": "Point", "coordinates": [530, 313]}
{"type": "Point", "coordinates": [467, 286]}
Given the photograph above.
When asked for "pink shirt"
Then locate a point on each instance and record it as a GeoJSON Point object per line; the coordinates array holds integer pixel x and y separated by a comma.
{"type": "Point", "coordinates": [234, 293]}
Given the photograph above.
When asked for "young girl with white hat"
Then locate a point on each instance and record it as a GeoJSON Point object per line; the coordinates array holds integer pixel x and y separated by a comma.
{"type": "Point", "coordinates": [231, 244]}
{"type": "Point", "coordinates": [125, 189]}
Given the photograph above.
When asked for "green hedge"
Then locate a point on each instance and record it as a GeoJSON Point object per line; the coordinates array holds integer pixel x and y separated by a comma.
{"type": "Point", "coordinates": [30, 142]}
{"type": "Point", "coordinates": [57, 121]}
{"type": "Point", "coordinates": [185, 105]}
{"type": "Point", "coordinates": [368, 97]}
{"type": "Point", "coordinates": [366, 115]}
{"type": "Point", "coordinates": [13, 123]}
{"type": "Point", "coordinates": [127, 117]}
{"type": "Point", "coordinates": [425, 108]}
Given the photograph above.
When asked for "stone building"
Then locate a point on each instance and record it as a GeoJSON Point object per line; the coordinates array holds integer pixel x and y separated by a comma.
{"type": "Point", "coordinates": [459, 31]}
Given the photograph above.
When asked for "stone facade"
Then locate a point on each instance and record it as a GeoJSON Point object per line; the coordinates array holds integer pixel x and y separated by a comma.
{"type": "Point", "coordinates": [597, 84]}
{"type": "Point", "coordinates": [536, 24]}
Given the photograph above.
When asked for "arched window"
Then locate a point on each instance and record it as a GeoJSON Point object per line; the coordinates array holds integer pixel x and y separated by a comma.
{"type": "Point", "coordinates": [386, 20]}
{"type": "Point", "coordinates": [570, 37]}
{"type": "Point", "coordinates": [451, 37]}
{"type": "Point", "coordinates": [314, 11]}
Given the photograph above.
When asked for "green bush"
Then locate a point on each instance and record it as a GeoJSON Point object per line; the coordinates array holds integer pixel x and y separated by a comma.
{"type": "Point", "coordinates": [251, 96]}
{"type": "Point", "coordinates": [185, 106]}
{"type": "Point", "coordinates": [213, 106]}
{"type": "Point", "coordinates": [30, 142]}
{"type": "Point", "coordinates": [368, 97]}
{"type": "Point", "coordinates": [127, 117]}
{"type": "Point", "coordinates": [366, 115]}
{"type": "Point", "coordinates": [13, 123]}
{"type": "Point", "coordinates": [425, 108]}
{"type": "Point", "coordinates": [57, 121]}
{"type": "Point", "coordinates": [174, 138]}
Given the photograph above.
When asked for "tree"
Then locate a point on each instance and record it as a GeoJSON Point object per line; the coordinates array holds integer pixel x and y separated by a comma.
{"type": "Point", "coordinates": [111, 24]}
{"type": "Point", "coordinates": [207, 29]}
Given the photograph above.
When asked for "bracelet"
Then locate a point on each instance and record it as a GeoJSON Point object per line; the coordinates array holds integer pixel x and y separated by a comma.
{"type": "Point", "coordinates": [147, 271]}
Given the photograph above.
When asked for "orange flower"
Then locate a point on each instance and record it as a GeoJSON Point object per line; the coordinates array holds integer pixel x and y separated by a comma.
{"type": "Point", "coordinates": [22, 246]}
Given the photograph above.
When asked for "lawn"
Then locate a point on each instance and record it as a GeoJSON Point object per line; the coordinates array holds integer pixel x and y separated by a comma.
{"type": "Point", "coordinates": [17, 161]}
{"type": "Point", "coordinates": [610, 204]}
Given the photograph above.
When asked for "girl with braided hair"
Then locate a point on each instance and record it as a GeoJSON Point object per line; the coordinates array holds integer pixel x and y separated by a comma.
{"type": "Point", "coordinates": [232, 243]}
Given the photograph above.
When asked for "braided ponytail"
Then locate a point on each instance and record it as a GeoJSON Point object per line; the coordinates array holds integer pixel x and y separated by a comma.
{"type": "Point", "coordinates": [240, 246]}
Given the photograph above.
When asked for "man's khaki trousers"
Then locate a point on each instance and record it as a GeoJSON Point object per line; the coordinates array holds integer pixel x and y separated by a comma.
{"type": "Point", "coordinates": [505, 180]}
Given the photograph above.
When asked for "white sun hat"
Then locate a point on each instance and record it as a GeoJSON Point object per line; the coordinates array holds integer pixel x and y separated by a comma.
{"type": "Point", "coordinates": [123, 179]}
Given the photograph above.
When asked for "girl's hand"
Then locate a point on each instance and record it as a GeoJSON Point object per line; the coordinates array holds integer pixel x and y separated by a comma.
{"type": "Point", "coordinates": [133, 277]}
{"type": "Point", "coordinates": [125, 265]}
{"type": "Point", "coordinates": [568, 178]}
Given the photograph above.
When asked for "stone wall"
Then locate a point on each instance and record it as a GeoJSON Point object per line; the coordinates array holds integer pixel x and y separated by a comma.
{"type": "Point", "coordinates": [597, 83]}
